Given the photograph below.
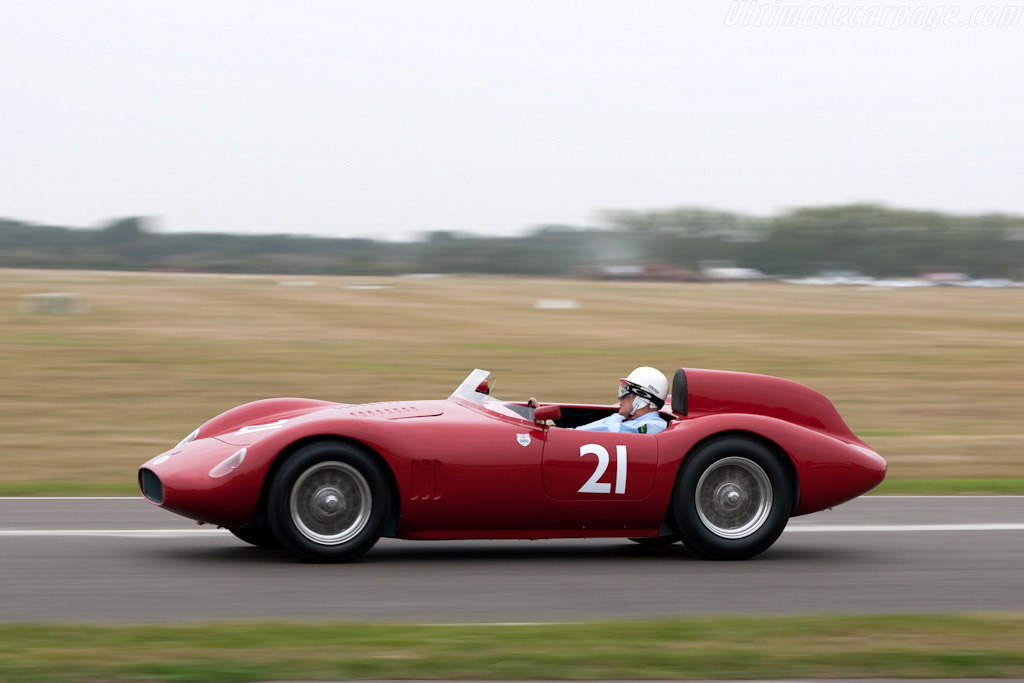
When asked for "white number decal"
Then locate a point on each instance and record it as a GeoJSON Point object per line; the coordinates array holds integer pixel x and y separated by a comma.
{"type": "Point", "coordinates": [595, 486]}
{"type": "Point", "coordinates": [620, 469]}
{"type": "Point", "coordinates": [592, 485]}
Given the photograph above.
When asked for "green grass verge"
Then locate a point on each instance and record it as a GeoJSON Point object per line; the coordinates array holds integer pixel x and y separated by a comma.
{"type": "Point", "coordinates": [898, 487]}
{"type": "Point", "coordinates": [924, 646]}
{"type": "Point", "coordinates": [951, 487]}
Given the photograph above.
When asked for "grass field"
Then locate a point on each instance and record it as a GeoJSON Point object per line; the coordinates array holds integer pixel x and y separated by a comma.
{"type": "Point", "coordinates": [922, 646]}
{"type": "Point", "coordinates": [932, 378]}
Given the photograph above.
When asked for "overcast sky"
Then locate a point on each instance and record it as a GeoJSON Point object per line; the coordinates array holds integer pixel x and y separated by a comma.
{"type": "Point", "coordinates": [390, 118]}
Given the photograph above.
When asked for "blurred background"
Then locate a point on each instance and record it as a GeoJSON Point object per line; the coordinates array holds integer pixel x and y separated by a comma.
{"type": "Point", "coordinates": [210, 204]}
{"type": "Point", "coordinates": [103, 369]}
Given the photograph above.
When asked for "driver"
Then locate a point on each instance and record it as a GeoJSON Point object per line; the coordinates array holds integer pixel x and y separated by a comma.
{"type": "Point", "coordinates": [641, 395]}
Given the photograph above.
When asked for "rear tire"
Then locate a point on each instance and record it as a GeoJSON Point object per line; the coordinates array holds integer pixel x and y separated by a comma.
{"type": "Point", "coordinates": [329, 502]}
{"type": "Point", "coordinates": [732, 499]}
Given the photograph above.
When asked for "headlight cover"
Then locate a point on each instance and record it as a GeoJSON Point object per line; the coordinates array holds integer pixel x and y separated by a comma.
{"type": "Point", "coordinates": [229, 465]}
{"type": "Point", "coordinates": [186, 441]}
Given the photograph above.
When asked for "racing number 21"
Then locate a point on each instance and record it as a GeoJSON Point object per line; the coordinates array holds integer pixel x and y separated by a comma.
{"type": "Point", "coordinates": [595, 486]}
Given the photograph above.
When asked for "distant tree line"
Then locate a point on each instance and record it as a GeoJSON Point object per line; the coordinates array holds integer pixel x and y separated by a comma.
{"type": "Point", "coordinates": [870, 239]}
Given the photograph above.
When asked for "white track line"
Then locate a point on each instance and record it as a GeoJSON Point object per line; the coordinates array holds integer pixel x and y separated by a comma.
{"type": "Point", "coordinates": [113, 533]}
{"type": "Point", "coordinates": [796, 528]}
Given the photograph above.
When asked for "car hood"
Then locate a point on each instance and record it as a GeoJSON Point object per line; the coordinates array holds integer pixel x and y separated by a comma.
{"type": "Point", "coordinates": [249, 421]}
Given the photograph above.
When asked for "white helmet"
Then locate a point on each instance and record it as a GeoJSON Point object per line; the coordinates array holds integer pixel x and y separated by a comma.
{"type": "Point", "coordinates": [649, 385]}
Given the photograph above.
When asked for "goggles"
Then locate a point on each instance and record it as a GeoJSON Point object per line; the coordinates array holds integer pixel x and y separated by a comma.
{"type": "Point", "coordinates": [627, 388]}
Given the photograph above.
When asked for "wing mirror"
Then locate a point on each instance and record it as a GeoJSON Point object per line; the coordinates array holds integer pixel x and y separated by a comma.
{"type": "Point", "coordinates": [545, 413]}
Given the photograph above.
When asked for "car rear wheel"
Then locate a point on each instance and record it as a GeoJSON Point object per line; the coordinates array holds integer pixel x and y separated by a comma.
{"type": "Point", "coordinates": [329, 502]}
{"type": "Point", "coordinates": [733, 498]}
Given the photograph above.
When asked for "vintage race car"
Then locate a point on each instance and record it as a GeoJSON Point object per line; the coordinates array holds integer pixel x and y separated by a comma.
{"type": "Point", "coordinates": [741, 454]}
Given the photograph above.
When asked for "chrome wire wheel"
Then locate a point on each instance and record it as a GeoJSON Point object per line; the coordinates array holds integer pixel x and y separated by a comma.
{"type": "Point", "coordinates": [330, 503]}
{"type": "Point", "coordinates": [733, 497]}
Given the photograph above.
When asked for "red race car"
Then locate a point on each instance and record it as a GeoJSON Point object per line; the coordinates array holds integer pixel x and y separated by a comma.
{"type": "Point", "coordinates": [741, 454]}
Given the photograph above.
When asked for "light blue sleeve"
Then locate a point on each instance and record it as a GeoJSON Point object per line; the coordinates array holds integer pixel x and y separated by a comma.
{"type": "Point", "coordinates": [606, 424]}
{"type": "Point", "coordinates": [653, 422]}
{"type": "Point", "coordinates": [615, 423]}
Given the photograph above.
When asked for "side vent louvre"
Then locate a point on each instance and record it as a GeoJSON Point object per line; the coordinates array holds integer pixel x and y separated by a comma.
{"type": "Point", "coordinates": [426, 479]}
{"type": "Point", "coordinates": [387, 413]}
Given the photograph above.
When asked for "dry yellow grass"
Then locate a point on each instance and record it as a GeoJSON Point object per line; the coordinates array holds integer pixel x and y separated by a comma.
{"type": "Point", "coordinates": [932, 378]}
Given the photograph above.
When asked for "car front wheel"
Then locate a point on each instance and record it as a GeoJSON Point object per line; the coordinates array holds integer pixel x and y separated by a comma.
{"type": "Point", "coordinates": [732, 500]}
{"type": "Point", "coordinates": [329, 502]}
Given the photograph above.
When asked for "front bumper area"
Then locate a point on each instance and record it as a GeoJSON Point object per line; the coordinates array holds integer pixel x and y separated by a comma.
{"type": "Point", "coordinates": [192, 481]}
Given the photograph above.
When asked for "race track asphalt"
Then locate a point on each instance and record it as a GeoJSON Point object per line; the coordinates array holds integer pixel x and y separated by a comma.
{"type": "Point", "coordinates": [122, 560]}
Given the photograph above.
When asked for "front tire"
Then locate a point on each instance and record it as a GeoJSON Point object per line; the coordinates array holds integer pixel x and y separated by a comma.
{"type": "Point", "coordinates": [732, 500]}
{"type": "Point", "coordinates": [329, 502]}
